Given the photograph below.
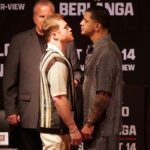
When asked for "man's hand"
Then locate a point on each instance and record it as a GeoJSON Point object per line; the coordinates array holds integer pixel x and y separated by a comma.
{"type": "Point", "coordinates": [76, 137]}
{"type": "Point", "coordinates": [87, 132]}
{"type": "Point", "coordinates": [13, 119]}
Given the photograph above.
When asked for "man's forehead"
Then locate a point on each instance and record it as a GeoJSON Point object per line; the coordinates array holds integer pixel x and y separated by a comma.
{"type": "Point", "coordinates": [87, 15]}
{"type": "Point", "coordinates": [43, 8]}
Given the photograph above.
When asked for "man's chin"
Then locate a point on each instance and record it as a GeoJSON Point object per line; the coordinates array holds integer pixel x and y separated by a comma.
{"type": "Point", "coordinates": [70, 40]}
{"type": "Point", "coordinates": [82, 32]}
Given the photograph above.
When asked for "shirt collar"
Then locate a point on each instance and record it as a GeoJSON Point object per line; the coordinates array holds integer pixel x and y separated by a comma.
{"type": "Point", "coordinates": [54, 48]}
{"type": "Point", "coordinates": [101, 41]}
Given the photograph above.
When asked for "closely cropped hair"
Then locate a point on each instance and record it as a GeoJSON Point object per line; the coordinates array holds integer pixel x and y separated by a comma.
{"type": "Point", "coordinates": [101, 15]}
{"type": "Point", "coordinates": [50, 24]}
{"type": "Point", "coordinates": [44, 3]}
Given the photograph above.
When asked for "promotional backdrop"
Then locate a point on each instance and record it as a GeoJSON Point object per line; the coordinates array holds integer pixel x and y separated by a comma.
{"type": "Point", "coordinates": [130, 29]}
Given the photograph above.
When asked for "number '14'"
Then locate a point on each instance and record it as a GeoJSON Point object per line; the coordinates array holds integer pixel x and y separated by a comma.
{"type": "Point", "coordinates": [128, 54]}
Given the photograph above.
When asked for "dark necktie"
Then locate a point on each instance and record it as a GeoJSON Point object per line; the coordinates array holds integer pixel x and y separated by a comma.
{"type": "Point", "coordinates": [42, 42]}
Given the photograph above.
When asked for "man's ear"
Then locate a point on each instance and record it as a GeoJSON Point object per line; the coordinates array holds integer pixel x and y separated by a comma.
{"type": "Point", "coordinates": [54, 35]}
{"type": "Point", "coordinates": [34, 20]}
{"type": "Point", "coordinates": [98, 26]}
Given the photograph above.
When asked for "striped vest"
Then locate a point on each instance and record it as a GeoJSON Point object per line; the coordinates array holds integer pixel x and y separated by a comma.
{"type": "Point", "coordinates": [49, 117]}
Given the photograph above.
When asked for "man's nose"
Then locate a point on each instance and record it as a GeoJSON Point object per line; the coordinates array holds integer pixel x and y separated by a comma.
{"type": "Point", "coordinates": [81, 22]}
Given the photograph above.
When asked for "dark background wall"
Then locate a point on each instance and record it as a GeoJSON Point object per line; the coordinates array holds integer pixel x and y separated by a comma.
{"type": "Point", "coordinates": [130, 29]}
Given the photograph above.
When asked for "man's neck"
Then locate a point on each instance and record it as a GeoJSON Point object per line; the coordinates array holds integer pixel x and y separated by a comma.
{"type": "Point", "coordinates": [59, 45]}
{"type": "Point", "coordinates": [38, 32]}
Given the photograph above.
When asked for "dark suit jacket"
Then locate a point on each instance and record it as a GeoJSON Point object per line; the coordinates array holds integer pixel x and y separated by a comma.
{"type": "Point", "coordinates": [21, 82]}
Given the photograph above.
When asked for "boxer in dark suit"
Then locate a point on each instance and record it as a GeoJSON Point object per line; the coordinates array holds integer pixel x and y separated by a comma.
{"type": "Point", "coordinates": [21, 82]}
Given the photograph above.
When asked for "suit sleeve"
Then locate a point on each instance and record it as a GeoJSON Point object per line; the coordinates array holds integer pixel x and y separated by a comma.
{"type": "Point", "coordinates": [71, 55]}
{"type": "Point", "coordinates": [10, 80]}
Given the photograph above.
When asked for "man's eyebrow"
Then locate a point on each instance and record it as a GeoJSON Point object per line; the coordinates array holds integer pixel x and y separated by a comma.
{"type": "Point", "coordinates": [85, 19]}
{"type": "Point", "coordinates": [41, 15]}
